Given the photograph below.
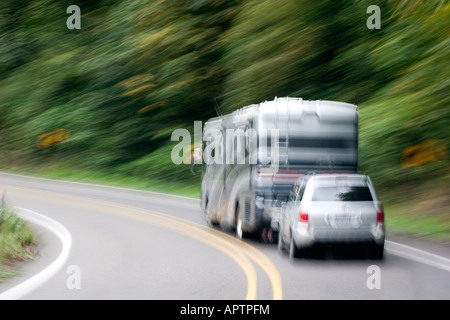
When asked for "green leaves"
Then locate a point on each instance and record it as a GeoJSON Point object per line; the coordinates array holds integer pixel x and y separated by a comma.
{"type": "Point", "coordinates": [137, 70]}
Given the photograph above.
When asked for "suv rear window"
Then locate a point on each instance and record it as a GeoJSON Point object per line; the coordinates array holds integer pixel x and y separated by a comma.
{"type": "Point", "coordinates": [341, 193]}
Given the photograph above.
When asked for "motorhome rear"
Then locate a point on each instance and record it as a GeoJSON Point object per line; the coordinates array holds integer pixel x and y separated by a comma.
{"type": "Point", "coordinates": [259, 151]}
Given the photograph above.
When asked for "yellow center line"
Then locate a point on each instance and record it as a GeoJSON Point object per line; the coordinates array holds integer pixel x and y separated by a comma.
{"type": "Point", "coordinates": [236, 249]}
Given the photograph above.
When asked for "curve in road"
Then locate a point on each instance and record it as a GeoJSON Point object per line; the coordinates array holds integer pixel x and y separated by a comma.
{"type": "Point", "coordinates": [240, 252]}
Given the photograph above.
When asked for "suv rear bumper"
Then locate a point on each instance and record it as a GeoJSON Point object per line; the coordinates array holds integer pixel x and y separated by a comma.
{"type": "Point", "coordinates": [305, 236]}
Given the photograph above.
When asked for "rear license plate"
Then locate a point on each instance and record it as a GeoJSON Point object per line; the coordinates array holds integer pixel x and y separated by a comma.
{"type": "Point", "coordinates": [342, 221]}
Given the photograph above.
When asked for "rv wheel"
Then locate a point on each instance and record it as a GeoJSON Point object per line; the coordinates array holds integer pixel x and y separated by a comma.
{"type": "Point", "coordinates": [239, 231]}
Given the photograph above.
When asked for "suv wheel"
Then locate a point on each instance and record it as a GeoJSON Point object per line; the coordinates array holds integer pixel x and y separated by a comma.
{"type": "Point", "coordinates": [280, 243]}
{"type": "Point", "coordinates": [294, 252]}
{"type": "Point", "coordinates": [376, 252]}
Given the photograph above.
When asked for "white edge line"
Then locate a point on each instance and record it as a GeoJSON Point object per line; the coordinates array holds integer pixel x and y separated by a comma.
{"type": "Point", "coordinates": [101, 186]}
{"type": "Point", "coordinates": [418, 255]}
{"type": "Point", "coordinates": [39, 279]}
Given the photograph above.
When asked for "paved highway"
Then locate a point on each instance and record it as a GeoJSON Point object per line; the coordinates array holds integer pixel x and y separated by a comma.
{"type": "Point", "coordinates": [116, 243]}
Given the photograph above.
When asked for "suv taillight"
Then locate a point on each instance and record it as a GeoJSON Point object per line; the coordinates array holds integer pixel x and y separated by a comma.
{"type": "Point", "coordinates": [380, 214]}
{"type": "Point", "coordinates": [303, 217]}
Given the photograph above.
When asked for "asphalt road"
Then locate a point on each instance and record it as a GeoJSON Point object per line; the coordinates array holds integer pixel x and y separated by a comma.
{"type": "Point", "coordinates": [128, 244]}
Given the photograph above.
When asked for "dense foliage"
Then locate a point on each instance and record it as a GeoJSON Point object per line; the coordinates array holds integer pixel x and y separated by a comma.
{"type": "Point", "coordinates": [139, 69]}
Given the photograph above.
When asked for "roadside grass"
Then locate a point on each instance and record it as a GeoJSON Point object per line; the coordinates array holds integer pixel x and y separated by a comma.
{"type": "Point", "coordinates": [60, 171]}
{"type": "Point", "coordinates": [16, 243]}
{"type": "Point", "coordinates": [420, 211]}
{"type": "Point", "coordinates": [435, 226]}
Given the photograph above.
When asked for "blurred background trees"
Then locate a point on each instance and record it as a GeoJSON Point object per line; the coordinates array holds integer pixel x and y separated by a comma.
{"type": "Point", "coordinates": [139, 69]}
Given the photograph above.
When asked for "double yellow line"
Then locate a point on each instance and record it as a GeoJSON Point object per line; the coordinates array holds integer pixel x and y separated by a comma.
{"type": "Point", "coordinates": [242, 253]}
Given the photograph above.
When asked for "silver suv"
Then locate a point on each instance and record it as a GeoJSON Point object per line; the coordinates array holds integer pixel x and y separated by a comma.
{"type": "Point", "coordinates": [332, 209]}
